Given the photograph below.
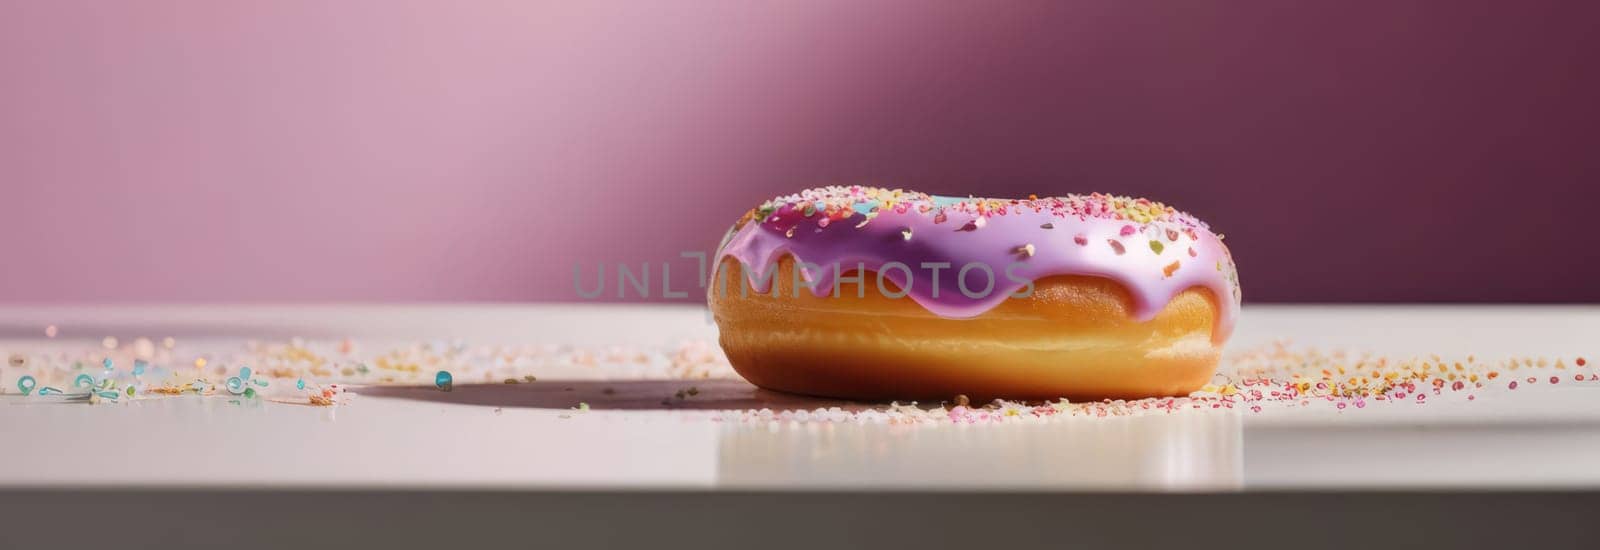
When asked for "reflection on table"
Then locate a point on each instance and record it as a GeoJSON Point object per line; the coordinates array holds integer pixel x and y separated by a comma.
{"type": "Point", "coordinates": [1187, 450]}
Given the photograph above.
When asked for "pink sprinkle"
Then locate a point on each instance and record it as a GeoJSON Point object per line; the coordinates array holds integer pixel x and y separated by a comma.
{"type": "Point", "coordinates": [1457, 386]}
{"type": "Point", "coordinates": [1128, 230]}
{"type": "Point", "coordinates": [1554, 380]}
{"type": "Point", "coordinates": [1422, 397]}
{"type": "Point", "coordinates": [1513, 384]}
{"type": "Point", "coordinates": [1340, 405]}
{"type": "Point", "coordinates": [1471, 397]}
{"type": "Point", "coordinates": [1081, 240]}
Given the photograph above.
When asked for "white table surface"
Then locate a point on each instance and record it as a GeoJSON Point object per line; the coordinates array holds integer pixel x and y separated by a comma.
{"type": "Point", "coordinates": [1549, 438]}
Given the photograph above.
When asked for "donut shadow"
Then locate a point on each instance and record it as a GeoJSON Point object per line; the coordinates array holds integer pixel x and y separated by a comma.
{"type": "Point", "coordinates": [712, 394]}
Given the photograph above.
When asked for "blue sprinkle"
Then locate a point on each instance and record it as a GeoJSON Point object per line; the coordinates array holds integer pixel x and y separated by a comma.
{"type": "Point", "coordinates": [259, 382]}
{"type": "Point", "coordinates": [83, 381]}
{"type": "Point", "coordinates": [300, 384]}
{"type": "Point", "coordinates": [237, 384]}
{"type": "Point", "coordinates": [443, 381]}
{"type": "Point", "coordinates": [864, 208]}
{"type": "Point", "coordinates": [139, 366]}
{"type": "Point", "coordinates": [47, 390]}
{"type": "Point", "coordinates": [107, 363]}
{"type": "Point", "coordinates": [26, 384]}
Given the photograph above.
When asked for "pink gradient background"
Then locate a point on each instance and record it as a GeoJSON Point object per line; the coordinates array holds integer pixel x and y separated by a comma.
{"type": "Point", "coordinates": [225, 151]}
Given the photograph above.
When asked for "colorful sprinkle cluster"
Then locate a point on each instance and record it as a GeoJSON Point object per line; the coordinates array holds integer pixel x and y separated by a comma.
{"type": "Point", "coordinates": [321, 372]}
{"type": "Point", "coordinates": [837, 203]}
{"type": "Point", "coordinates": [1276, 377]}
{"type": "Point", "coordinates": [1284, 373]}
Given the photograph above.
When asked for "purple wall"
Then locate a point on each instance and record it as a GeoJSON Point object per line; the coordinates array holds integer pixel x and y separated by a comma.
{"type": "Point", "coordinates": [400, 151]}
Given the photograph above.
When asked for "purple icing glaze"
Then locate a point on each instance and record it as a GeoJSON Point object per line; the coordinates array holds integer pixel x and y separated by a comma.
{"type": "Point", "coordinates": [1067, 237]}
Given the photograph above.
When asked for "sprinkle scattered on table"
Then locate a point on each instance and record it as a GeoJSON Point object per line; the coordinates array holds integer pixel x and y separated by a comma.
{"type": "Point", "coordinates": [1261, 380]}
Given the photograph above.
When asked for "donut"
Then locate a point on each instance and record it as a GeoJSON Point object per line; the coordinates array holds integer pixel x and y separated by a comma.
{"type": "Point", "coordinates": [875, 294]}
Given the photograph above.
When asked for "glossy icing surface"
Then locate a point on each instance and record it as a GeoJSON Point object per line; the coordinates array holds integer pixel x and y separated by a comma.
{"type": "Point", "coordinates": [946, 252]}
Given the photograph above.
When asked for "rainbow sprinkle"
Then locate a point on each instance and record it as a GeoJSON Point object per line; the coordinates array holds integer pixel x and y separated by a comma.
{"type": "Point", "coordinates": [838, 202]}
